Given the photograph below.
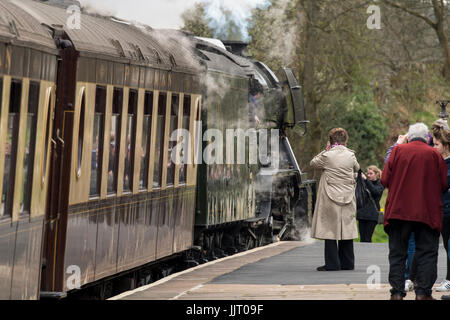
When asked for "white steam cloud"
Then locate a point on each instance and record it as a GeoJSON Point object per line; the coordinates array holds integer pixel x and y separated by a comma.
{"type": "Point", "coordinates": [159, 14]}
{"type": "Point", "coordinates": [239, 11]}
{"type": "Point", "coordinates": [167, 13]}
{"type": "Point", "coordinates": [284, 34]}
{"type": "Point", "coordinates": [105, 8]}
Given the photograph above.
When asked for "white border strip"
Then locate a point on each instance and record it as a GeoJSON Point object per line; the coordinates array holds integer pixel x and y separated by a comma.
{"type": "Point", "coordinates": [184, 292]}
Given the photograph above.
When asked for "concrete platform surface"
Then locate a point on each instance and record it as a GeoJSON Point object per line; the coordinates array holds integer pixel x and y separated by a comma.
{"type": "Point", "coordinates": [282, 271]}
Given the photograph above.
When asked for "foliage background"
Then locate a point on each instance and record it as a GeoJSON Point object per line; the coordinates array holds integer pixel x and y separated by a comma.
{"type": "Point", "coordinates": [372, 82]}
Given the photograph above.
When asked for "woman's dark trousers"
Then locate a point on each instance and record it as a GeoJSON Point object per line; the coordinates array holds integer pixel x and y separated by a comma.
{"type": "Point", "coordinates": [445, 237]}
{"type": "Point", "coordinates": [339, 255]}
{"type": "Point", "coordinates": [366, 229]}
{"type": "Point", "coordinates": [425, 257]}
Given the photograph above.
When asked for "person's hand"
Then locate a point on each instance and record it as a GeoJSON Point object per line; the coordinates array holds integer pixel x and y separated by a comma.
{"type": "Point", "coordinates": [328, 145]}
{"type": "Point", "coordinates": [363, 176]}
{"type": "Point", "coordinates": [402, 139]}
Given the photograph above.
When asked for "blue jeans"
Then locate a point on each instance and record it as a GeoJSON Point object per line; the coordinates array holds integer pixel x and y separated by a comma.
{"type": "Point", "coordinates": [411, 250]}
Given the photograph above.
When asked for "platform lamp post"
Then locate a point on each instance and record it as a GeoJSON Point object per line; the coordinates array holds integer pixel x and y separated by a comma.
{"type": "Point", "coordinates": [443, 103]}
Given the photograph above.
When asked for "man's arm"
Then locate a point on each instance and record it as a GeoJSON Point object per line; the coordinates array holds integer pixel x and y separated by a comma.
{"type": "Point", "coordinates": [387, 171]}
{"type": "Point", "coordinates": [388, 153]}
{"type": "Point", "coordinates": [400, 140]}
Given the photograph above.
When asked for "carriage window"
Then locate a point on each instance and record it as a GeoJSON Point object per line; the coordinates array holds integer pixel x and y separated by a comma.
{"type": "Point", "coordinates": [197, 134]}
{"type": "Point", "coordinates": [30, 142]}
{"type": "Point", "coordinates": [160, 126]}
{"type": "Point", "coordinates": [173, 125]}
{"type": "Point", "coordinates": [81, 132]}
{"type": "Point", "coordinates": [146, 129]}
{"type": "Point", "coordinates": [129, 141]}
{"type": "Point", "coordinates": [12, 134]}
{"type": "Point", "coordinates": [114, 140]}
{"type": "Point", "coordinates": [97, 141]}
{"type": "Point", "coordinates": [47, 132]}
{"type": "Point", "coordinates": [185, 124]}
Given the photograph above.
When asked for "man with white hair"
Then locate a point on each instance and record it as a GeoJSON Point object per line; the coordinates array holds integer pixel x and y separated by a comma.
{"type": "Point", "coordinates": [416, 176]}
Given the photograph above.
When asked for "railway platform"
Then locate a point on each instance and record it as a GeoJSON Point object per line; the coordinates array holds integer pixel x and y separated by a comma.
{"type": "Point", "coordinates": [282, 271]}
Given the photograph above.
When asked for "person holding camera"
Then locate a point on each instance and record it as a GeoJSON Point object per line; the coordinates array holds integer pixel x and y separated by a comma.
{"type": "Point", "coordinates": [334, 214]}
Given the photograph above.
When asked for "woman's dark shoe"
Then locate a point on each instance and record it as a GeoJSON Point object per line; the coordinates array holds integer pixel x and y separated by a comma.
{"type": "Point", "coordinates": [396, 297]}
{"type": "Point", "coordinates": [323, 268]}
{"type": "Point", "coordinates": [348, 268]}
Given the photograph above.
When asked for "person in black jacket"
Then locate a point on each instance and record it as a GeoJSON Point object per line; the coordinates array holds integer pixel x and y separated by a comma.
{"type": "Point", "coordinates": [367, 216]}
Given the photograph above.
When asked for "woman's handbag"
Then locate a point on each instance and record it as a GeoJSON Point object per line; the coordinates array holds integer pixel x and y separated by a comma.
{"type": "Point", "coordinates": [361, 192]}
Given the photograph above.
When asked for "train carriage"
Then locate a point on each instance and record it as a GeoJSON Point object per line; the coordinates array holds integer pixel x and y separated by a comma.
{"type": "Point", "coordinates": [114, 204]}
{"type": "Point", "coordinates": [88, 130]}
{"type": "Point", "coordinates": [28, 58]}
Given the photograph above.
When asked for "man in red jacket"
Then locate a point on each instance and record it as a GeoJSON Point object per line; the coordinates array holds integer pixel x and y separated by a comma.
{"type": "Point", "coordinates": [416, 176]}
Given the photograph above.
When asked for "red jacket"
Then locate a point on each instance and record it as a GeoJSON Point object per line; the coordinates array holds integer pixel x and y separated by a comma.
{"type": "Point", "coordinates": [416, 176]}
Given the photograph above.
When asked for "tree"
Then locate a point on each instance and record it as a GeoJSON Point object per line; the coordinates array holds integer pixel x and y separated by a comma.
{"type": "Point", "coordinates": [437, 23]}
{"type": "Point", "coordinates": [331, 51]}
{"type": "Point", "coordinates": [359, 114]}
{"type": "Point", "coordinates": [196, 21]}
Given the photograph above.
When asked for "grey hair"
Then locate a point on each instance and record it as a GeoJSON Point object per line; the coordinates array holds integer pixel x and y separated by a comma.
{"type": "Point", "coordinates": [418, 130]}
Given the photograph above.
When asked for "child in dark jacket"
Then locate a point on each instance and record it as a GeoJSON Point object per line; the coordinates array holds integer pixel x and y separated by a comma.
{"type": "Point", "coordinates": [367, 216]}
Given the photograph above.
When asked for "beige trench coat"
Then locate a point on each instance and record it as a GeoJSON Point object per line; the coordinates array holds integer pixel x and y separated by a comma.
{"type": "Point", "coordinates": [335, 212]}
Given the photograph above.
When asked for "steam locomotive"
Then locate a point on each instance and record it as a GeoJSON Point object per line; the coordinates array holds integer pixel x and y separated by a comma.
{"type": "Point", "coordinates": [91, 196]}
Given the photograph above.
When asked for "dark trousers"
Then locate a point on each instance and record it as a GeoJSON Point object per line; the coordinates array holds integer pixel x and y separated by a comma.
{"type": "Point", "coordinates": [339, 255]}
{"type": "Point", "coordinates": [445, 237]}
{"type": "Point", "coordinates": [366, 229]}
{"type": "Point", "coordinates": [425, 257]}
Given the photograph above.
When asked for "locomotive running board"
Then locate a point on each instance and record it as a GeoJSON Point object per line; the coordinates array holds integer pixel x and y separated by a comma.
{"type": "Point", "coordinates": [51, 295]}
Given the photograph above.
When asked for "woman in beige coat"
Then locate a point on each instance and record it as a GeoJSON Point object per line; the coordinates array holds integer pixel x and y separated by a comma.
{"type": "Point", "coordinates": [334, 217]}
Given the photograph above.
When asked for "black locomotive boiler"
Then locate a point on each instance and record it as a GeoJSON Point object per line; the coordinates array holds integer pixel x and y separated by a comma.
{"type": "Point", "coordinates": [91, 199]}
